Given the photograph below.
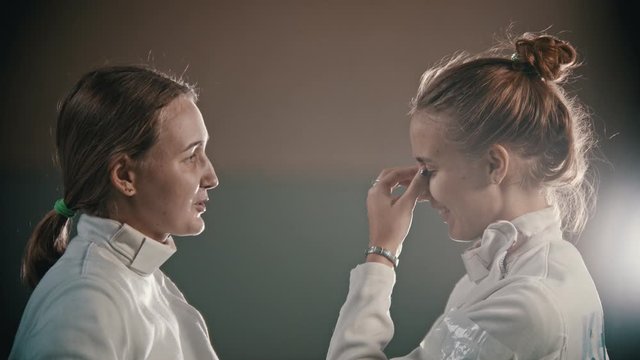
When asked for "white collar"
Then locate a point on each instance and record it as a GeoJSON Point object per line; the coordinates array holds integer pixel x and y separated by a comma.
{"type": "Point", "coordinates": [503, 235]}
{"type": "Point", "coordinates": [137, 251]}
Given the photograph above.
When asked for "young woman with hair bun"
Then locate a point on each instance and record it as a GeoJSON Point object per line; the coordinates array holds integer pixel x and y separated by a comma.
{"type": "Point", "coordinates": [131, 146]}
{"type": "Point", "coordinates": [502, 156]}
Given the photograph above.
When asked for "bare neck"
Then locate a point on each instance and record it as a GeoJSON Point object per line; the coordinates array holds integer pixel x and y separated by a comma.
{"type": "Point", "coordinates": [517, 201]}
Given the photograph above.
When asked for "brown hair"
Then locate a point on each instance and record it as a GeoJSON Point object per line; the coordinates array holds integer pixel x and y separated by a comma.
{"type": "Point", "coordinates": [518, 101]}
{"type": "Point", "coordinates": [111, 111]}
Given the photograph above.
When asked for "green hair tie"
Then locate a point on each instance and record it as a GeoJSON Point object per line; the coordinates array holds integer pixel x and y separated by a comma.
{"type": "Point", "coordinates": [61, 208]}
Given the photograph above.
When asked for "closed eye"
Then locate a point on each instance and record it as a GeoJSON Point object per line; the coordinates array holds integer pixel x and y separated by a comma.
{"type": "Point", "coordinates": [193, 157]}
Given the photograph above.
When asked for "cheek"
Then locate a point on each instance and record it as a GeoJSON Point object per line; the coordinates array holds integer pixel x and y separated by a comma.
{"type": "Point", "coordinates": [182, 194]}
{"type": "Point", "coordinates": [442, 187]}
{"type": "Point", "coordinates": [452, 191]}
{"type": "Point", "coordinates": [171, 189]}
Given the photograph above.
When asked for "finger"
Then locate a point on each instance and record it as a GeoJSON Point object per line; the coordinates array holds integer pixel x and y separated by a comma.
{"type": "Point", "coordinates": [425, 195]}
{"type": "Point", "coordinates": [405, 183]}
{"type": "Point", "coordinates": [389, 179]}
{"type": "Point", "coordinates": [418, 186]}
{"type": "Point", "coordinates": [392, 177]}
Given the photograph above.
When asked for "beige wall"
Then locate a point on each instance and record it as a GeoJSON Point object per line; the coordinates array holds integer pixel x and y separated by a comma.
{"type": "Point", "coordinates": [313, 87]}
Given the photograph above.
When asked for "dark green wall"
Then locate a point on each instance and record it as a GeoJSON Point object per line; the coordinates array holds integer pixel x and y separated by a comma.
{"type": "Point", "coordinates": [270, 271]}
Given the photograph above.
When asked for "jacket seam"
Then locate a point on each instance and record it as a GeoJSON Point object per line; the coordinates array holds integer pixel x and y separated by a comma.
{"type": "Point", "coordinates": [85, 259]}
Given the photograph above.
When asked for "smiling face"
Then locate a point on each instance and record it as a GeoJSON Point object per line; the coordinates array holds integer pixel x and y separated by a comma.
{"type": "Point", "coordinates": [172, 180]}
{"type": "Point", "coordinates": [460, 187]}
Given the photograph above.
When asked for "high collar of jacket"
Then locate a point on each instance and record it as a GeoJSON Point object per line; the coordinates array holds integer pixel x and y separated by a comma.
{"type": "Point", "coordinates": [137, 251]}
{"type": "Point", "coordinates": [504, 235]}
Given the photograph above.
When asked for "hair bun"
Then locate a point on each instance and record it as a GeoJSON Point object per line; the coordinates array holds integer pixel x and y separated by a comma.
{"type": "Point", "coordinates": [551, 57]}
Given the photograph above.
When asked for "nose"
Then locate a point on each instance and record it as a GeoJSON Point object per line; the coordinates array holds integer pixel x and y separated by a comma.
{"type": "Point", "coordinates": [209, 178]}
{"type": "Point", "coordinates": [426, 193]}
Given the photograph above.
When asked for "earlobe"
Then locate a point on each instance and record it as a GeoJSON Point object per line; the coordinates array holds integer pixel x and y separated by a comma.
{"type": "Point", "coordinates": [122, 175]}
{"type": "Point", "coordinates": [498, 163]}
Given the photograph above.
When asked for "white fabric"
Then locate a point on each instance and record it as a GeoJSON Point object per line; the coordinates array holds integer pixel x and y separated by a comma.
{"type": "Point", "coordinates": [105, 298]}
{"type": "Point", "coordinates": [526, 295]}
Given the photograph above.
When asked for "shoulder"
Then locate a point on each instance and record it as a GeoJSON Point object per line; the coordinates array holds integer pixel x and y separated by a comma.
{"type": "Point", "coordinates": [565, 259]}
{"type": "Point", "coordinates": [84, 286]}
{"type": "Point", "coordinates": [78, 298]}
{"type": "Point", "coordinates": [78, 317]}
{"type": "Point", "coordinates": [559, 266]}
{"type": "Point", "coordinates": [86, 270]}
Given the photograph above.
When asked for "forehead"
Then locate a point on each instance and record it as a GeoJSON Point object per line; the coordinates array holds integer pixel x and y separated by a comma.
{"type": "Point", "coordinates": [427, 133]}
{"type": "Point", "coordinates": [181, 123]}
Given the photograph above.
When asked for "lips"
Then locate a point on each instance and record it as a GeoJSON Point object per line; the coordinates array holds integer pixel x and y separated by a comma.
{"type": "Point", "coordinates": [444, 214]}
{"type": "Point", "coordinates": [201, 205]}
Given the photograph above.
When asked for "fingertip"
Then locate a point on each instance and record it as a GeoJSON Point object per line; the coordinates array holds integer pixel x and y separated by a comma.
{"type": "Point", "coordinates": [414, 191]}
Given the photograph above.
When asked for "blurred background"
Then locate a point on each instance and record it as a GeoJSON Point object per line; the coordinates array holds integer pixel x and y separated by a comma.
{"type": "Point", "coordinates": [305, 102]}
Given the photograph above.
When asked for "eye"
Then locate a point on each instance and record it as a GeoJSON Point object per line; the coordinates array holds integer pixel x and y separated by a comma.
{"type": "Point", "coordinates": [430, 171]}
{"type": "Point", "coordinates": [192, 158]}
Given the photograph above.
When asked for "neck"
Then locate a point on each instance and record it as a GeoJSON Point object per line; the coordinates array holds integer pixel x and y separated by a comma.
{"type": "Point", "coordinates": [122, 212]}
{"type": "Point", "coordinates": [517, 201]}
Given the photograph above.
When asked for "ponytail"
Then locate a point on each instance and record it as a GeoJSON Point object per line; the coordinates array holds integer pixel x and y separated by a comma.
{"type": "Point", "coordinates": [45, 246]}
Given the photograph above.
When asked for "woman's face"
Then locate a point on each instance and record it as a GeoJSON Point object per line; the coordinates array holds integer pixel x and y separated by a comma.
{"type": "Point", "coordinates": [460, 187]}
{"type": "Point", "coordinates": [175, 174]}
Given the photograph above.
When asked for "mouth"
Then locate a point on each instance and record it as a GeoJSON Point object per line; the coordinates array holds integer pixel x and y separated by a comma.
{"type": "Point", "coordinates": [444, 214]}
{"type": "Point", "coordinates": [201, 206]}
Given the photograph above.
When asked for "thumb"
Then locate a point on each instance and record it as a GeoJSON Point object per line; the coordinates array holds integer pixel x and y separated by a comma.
{"type": "Point", "coordinates": [416, 188]}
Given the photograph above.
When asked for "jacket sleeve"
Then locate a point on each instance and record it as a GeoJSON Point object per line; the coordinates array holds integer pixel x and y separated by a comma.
{"type": "Point", "coordinates": [524, 316]}
{"type": "Point", "coordinates": [80, 321]}
{"type": "Point", "coordinates": [364, 326]}
{"type": "Point", "coordinates": [517, 321]}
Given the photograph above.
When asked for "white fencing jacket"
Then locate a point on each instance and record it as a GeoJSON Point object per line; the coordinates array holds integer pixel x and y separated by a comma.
{"type": "Point", "coordinates": [526, 295]}
{"type": "Point", "coordinates": [105, 298]}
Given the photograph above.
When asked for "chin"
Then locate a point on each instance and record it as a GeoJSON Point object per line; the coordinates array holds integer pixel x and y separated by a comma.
{"type": "Point", "coordinates": [195, 227]}
{"type": "Point", "coordinates": [461, 235]}
{"type": "Point", "coordinates": [198, 227]}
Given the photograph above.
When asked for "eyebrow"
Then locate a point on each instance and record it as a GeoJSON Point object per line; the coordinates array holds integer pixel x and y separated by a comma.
{"type": "Point", "coordinates": [423, 160]}
{"type": "Point", "coordinates": [195, 143]}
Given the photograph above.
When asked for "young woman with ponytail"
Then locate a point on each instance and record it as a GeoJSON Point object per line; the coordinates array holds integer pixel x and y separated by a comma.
{"type": "Point", "coordinates": [131, 146]}
{"type": "Point", "coordinates": [502, 156]}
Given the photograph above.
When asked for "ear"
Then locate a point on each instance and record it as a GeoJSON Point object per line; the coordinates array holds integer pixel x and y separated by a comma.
{"type": "Point", "coordinates": [122, 174]}
{"type": "Point", "coordinates": [498, 157]}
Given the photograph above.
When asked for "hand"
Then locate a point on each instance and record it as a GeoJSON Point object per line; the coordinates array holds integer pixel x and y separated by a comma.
{"type": "Point", "coordinates": [390, 216]}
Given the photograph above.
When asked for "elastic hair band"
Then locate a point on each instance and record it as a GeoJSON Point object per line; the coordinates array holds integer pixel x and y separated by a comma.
{"type": "Point", "coordinates": [516, 60]}
{"type": "Point", "coordinates": [61, 208]}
